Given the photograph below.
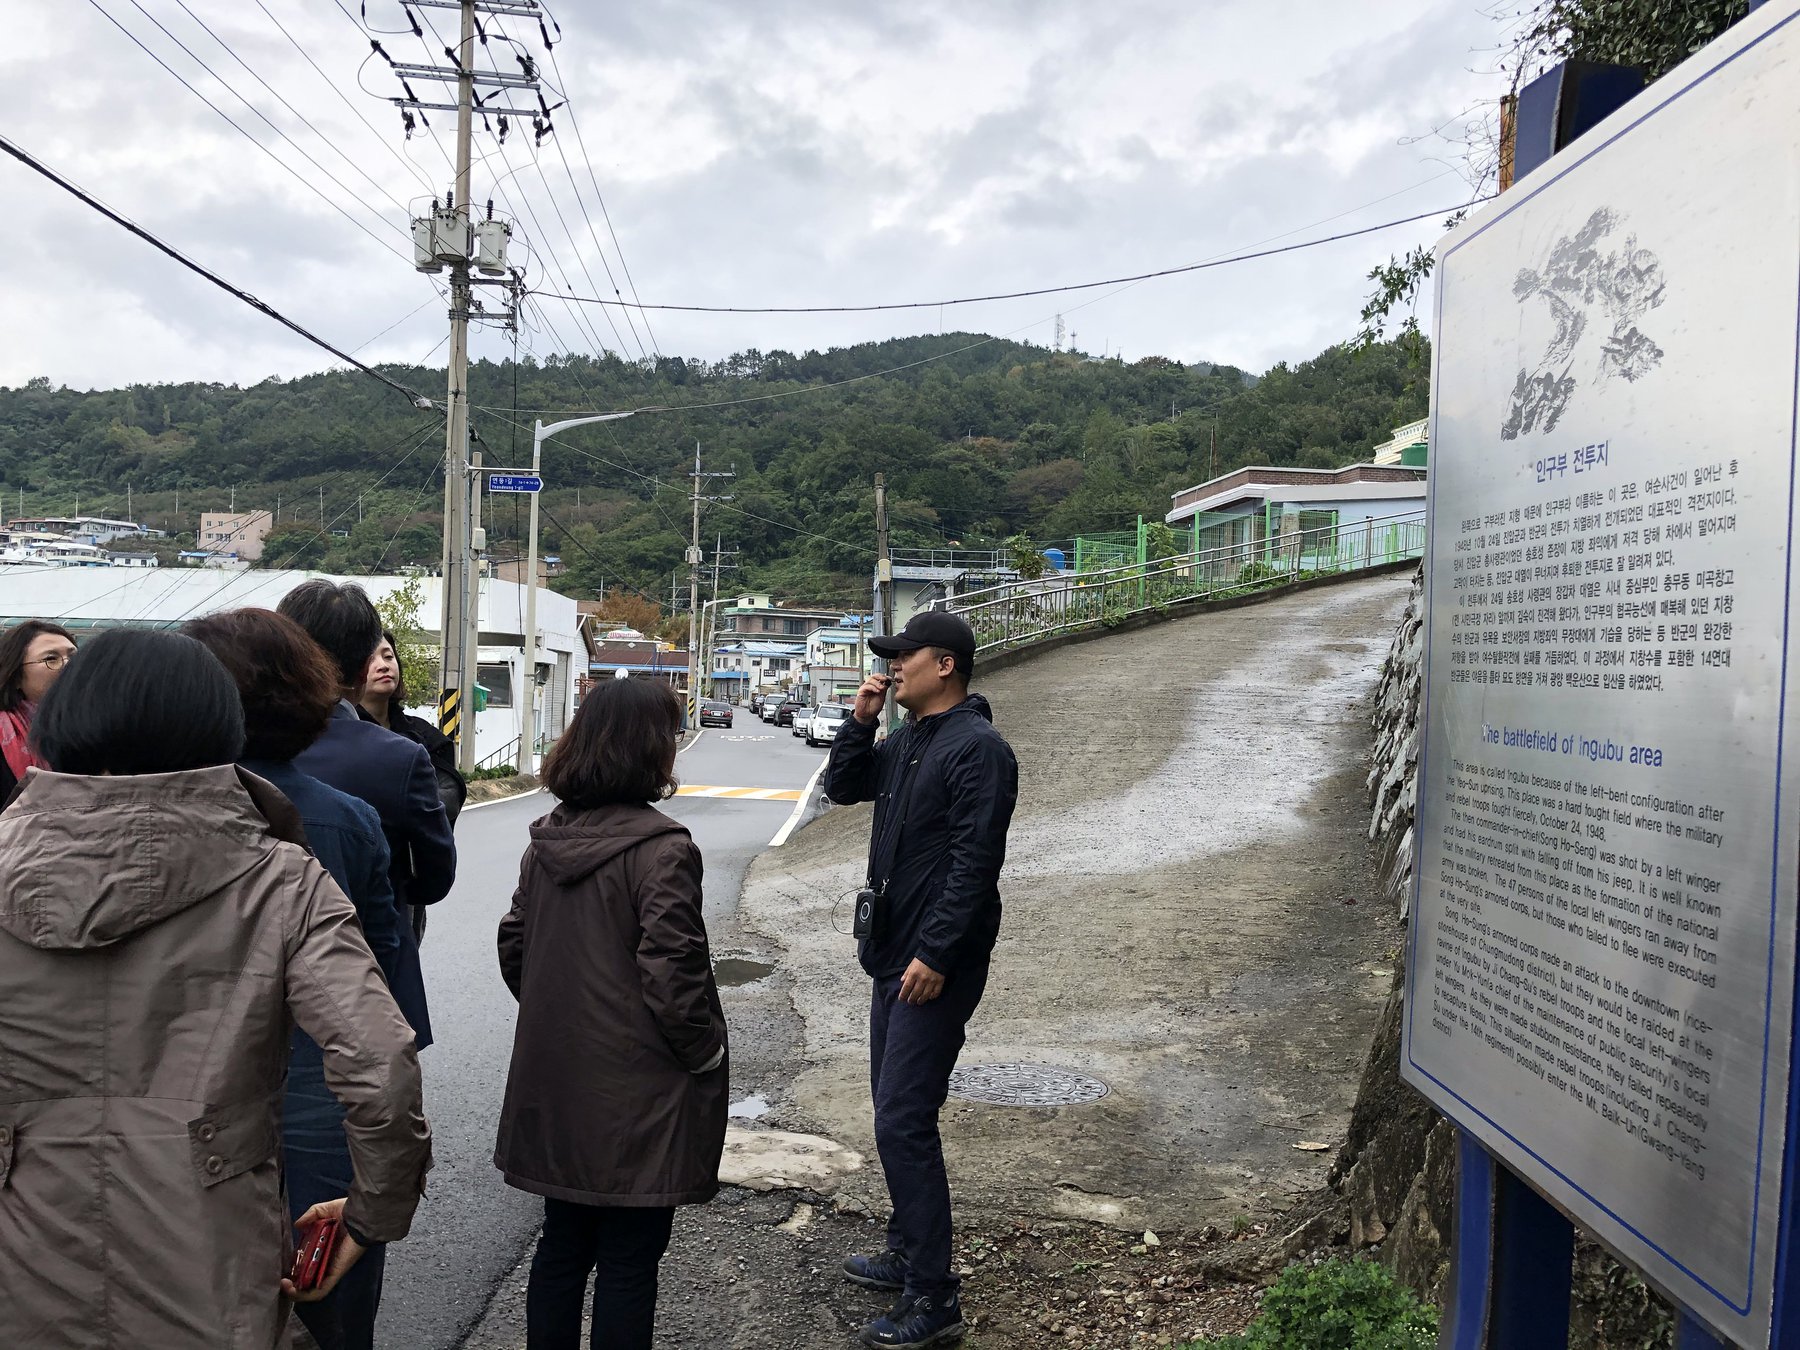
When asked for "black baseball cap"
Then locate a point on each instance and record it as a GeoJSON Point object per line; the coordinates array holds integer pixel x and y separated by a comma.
{"type": "Point", "coordinates": [929, 628]}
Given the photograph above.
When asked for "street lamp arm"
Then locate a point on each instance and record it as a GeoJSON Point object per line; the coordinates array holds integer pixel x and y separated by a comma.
{"type": "Point", "coordinates": [545, 432]}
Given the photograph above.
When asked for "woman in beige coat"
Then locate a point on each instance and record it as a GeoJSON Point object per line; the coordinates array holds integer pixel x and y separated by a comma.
{"type": "Point", "coordinates": [162, 929]}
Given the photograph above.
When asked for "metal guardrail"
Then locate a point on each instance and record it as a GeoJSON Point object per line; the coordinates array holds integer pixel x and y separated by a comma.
{"type": "Point", "coordinates": [1021, 612]}
{"type": "Point", "coordinates": [506, 754]}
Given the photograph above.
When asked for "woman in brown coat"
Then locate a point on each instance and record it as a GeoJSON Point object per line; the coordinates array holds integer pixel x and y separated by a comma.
{"type": "Point", "coordinates": [162, 929]}
{"type": "Point", "coordinates": [616, 1101]}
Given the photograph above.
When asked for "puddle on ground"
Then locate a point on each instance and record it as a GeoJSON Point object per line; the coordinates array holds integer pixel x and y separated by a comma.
{"type": "Point", "coordinates": [734, 971]}
{"type": "Point", "coordinates": [752, 1107]}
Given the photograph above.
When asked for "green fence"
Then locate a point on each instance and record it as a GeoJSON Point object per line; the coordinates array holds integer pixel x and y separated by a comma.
{"type": "Point", "coordinates": [1018, 613]}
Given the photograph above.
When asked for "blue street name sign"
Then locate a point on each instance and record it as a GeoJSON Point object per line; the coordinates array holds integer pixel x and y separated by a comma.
{"type": "Point", "coordinates": [515, 482]}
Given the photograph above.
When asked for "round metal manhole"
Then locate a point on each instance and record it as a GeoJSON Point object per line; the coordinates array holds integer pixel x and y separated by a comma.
{"type": "Point", "coordinates": [1025, 1085]}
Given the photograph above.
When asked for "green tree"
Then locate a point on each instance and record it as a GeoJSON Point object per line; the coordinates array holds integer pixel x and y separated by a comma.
{"type": "Point", "coordinates": [419, 655]}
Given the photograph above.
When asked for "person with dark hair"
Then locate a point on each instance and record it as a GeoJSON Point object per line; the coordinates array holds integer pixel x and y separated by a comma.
{"type": "Point", "coordinates": [162, 929]}
{"type": "Point", "coordinates": [382, 700]}
{"type": "Point", "coordinates": [32, 655]}
{"type": "Point", "coordinates": [289, 688]}
{"type": "Point", "coordinates": [619, 1022]}
{"type": "Point", "coordinates": [944, 786]}
{"type": "Point", "coordinates": [386, 771]}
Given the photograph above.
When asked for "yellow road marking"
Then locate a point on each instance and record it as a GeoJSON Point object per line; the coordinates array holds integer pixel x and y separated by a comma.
{"type": "Point", "coordinates": [742, 793]}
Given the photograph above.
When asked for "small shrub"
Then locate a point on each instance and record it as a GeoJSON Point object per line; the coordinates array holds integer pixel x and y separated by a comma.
{"type": "Point", "coordinates": [1255, 571]}
{"type": "Point", "coordinates": [497, 771]}
{"type": "Point", "coordinates": [1338, 1305]}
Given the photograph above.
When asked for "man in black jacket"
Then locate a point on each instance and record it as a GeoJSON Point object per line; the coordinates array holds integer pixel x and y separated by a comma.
{"type": "Point", "coordinates": [944, 785]}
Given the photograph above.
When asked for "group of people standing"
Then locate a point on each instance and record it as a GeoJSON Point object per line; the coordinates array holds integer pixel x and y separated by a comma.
{"type": "Point", "coordinates": [217, 847]}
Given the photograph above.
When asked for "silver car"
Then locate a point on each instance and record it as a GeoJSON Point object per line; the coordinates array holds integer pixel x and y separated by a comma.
{"type": "Point", "coordinates": [803, 716]}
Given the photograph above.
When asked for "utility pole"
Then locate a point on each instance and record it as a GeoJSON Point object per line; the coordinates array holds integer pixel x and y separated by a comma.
{"type": "Point", "coordinates": [695, 557]}
{"type": "Point", "coordinates": [884, 577]}
{"type": "Point", "coordinates": [456, 688]}
{"type": "Point", "coordinates": [710, 642]}
{"type": "Point", "coordinates": [448, 237]}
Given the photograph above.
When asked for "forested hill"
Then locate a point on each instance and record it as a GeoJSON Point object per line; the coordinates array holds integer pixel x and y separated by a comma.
{"type": "Point", "coordinates": [980, 439]}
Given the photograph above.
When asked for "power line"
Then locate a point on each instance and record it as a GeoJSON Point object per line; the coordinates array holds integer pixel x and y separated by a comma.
{"type": "Point", "coordinates": [587, 219]}
{"type": "Point", "coordinates": [298, 177]}
{"type": "Point", "coordinates": [407, 164]}
{"type": "Point", "coordinates": [569, 538]}
{"type": "Point", "coordinates": [582, 324]}
{"type": "Point", "coordinates": [587, 159]}
{"type": "Point", "coordinates": [402, 206]}
{"type": "Point", "coordinates": [417, 399]}
{"type": "Point", "coordinates": [418, 436]}
{"type": "Point", "coordinates": [722, 506]}
{"type": "Point", "coordinates": [1020, 295]}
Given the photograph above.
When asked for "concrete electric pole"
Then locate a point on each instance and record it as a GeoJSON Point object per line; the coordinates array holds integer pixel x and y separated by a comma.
{"type": "Point", "coordinates": [450, 236]}
{"type": "Point", "coordinates": [884, 580]}
{"type": "Point", "coordinates": [695, 557]}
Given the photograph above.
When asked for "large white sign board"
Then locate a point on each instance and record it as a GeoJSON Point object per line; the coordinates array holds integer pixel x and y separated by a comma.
{"type": "Point", "coordinates": [1601, 977]}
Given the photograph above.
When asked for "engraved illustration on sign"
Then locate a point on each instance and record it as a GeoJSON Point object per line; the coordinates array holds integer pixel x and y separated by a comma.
{"type": "Point", "coordinates": [1025, 1085]}
{"type": "Point", "coordinates": [1625, 283]}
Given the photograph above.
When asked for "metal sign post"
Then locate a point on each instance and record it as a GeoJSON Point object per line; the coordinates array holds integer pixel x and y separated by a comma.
{"type": "Point", "coordinates": [1601, 976]}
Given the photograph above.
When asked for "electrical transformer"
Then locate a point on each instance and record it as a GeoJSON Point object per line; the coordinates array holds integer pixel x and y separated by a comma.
{"type": "Point", "coordinates": [491, 237]}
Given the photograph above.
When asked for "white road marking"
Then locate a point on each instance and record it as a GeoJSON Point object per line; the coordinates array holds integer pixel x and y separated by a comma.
{"type": "Point", "coordinates": [800, 806]}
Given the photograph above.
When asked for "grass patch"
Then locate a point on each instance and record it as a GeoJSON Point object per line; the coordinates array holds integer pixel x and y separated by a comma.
{"type": "Point", "coordinates": [1336, 1305]}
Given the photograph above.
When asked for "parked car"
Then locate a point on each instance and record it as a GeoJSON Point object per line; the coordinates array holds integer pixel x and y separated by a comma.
{"type": "Point", "coordinates": [714, 713]}
{"type": "Point", "coordinates": [802, 719]}
{"type": "Point", "coordinates": [785, 710]}
{"type": "Point", "coordinates": [756, 704]}
{"type": "Point", "coordinates": [769, 704]}
{"type": "Point", "coordinates": [827, 720]}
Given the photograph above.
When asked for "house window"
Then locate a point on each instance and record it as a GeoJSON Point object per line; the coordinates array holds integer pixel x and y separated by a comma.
{"type": "Point", "coordinates": [497, 679]}
{"type": "Point", "coordinates": [778, 663]}
{"type": "Point", "coordinates": [793, 626]}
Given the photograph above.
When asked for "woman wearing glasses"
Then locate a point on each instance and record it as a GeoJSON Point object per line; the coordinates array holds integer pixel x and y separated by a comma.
{"type": "Point", "coordinates": [32, 655]}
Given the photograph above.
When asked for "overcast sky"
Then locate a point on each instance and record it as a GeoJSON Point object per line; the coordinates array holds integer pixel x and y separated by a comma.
{"type": "Point", "coordinates": [749, 154]}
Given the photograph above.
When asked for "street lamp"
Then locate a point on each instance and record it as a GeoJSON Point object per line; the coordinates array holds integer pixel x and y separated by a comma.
{"type": "Point", "coordinates": [528, 686]}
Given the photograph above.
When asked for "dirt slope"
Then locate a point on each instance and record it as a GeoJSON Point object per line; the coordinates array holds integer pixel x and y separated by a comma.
{"type": "Point", "coordinates": [1190, 917]}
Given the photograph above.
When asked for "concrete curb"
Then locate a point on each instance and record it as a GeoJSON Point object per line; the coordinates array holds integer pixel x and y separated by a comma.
{"type": "Point", "coordinates": [1180, 609]}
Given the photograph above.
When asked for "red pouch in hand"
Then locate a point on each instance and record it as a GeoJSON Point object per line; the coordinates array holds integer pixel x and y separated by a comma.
{"type": "Point", "coordinates": [312, 1259]}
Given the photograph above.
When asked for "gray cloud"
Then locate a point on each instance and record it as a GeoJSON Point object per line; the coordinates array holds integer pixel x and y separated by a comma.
{"type": "Point", "coordinates": [780, 153]}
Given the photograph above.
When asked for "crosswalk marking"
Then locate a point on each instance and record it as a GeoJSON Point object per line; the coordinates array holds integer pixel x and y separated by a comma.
{"type": "Point", "coordinates": [742, 793]}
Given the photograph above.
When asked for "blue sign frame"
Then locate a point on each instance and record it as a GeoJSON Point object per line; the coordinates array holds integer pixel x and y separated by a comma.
{"type": "Point", "coordinates": [515, 482]}
{"type": "Point", "coordinates": [1510, 1277]}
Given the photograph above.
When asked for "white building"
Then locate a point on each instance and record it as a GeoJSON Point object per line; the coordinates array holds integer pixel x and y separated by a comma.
{"type": "Point", "coordinates": [84, 599]}
{"type": "Point", "coordinates": [87, 529]}
{"type": "Point", "coordinates": [836, 663]}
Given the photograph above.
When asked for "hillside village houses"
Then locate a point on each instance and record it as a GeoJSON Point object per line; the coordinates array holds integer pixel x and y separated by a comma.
{"type": "Point", "coordinates": [761, 646]}
{"type": "Point", "coordinates": [71, 541]}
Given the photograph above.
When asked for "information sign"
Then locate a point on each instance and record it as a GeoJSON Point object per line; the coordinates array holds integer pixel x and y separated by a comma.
{"type": "Point", "coordinates": [1601, 976]}
{"type": "Point", "coordinates": [515, 482]}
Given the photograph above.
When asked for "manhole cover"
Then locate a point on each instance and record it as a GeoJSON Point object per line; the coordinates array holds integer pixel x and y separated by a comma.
{"type": "Point", "coordinates": [1024, 1085]}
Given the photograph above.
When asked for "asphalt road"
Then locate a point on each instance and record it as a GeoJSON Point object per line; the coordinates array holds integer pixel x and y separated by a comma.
{"type": "Point", "coordinates": [473, 1229]}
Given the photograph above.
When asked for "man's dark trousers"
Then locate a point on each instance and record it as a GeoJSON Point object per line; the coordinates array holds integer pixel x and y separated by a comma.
{"type": "Point", "coordinates": [912, 1049]}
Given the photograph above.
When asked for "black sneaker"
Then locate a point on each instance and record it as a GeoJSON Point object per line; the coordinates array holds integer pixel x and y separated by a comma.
{"type": "Point", "coordinates": [886, 1271]}
{"type": "Point", "coordinates": [915, 1322]}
